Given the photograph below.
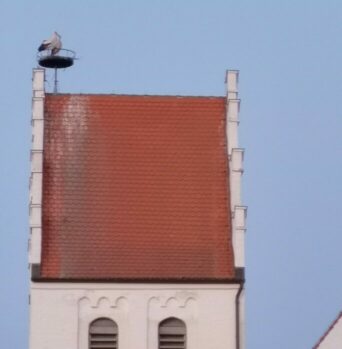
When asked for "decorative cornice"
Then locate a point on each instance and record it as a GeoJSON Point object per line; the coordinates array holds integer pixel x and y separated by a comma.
{"type": "Point", "coordinates": [235, 157]}
{"type": "Point", "coordinates": [36, 178]}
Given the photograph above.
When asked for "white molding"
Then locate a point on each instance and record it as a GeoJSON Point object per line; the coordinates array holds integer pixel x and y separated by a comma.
{"type": "Point", "coordinates": [36, 161]}
{"type": "Point", "coordinates": [240, 214]}
{"type": "Point", "coordinates": [37, 107]}
{"type": "Point", "coordinates": [235, 157]}
{"type": "Point", "coordinates": [233, 108]}
{"type": "Point", "coordinates": [36, 178]}
{"type": "Point", "coordinates": [232, 81]}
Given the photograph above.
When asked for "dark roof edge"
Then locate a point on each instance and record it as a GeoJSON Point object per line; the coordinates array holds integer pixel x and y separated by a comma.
{"type": "Point", "coordinates": [237, 279]}
{"type": "Point", "coordinates": [131, 95]}
{"type": "Point", "coordinates": [141, 280]}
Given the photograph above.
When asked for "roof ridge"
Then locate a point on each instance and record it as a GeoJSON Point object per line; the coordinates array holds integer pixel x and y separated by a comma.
{"type": "Point", "coordinates": [133, 95]}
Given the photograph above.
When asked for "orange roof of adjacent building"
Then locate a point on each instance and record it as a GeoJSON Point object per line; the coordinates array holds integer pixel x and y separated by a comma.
{"type": "Point", "coordinates": [136, 188]}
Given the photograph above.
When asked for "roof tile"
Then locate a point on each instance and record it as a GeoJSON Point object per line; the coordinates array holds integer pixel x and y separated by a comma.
{"type": "Point", "coordinates": [135, 187]}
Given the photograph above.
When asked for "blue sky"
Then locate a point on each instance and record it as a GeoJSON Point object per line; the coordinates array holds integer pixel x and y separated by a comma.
{"type": "Point", "coordinates": [289, 55]}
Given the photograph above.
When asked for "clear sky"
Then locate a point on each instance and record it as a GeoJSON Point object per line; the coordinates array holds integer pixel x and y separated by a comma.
{"type": "Point", "coordinates": [289, 55]}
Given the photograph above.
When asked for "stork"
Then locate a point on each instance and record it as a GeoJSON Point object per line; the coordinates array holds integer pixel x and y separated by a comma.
{"type": "Point", "coordinates": [54, 44]}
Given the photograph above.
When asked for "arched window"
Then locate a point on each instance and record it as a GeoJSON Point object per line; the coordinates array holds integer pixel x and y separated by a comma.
{"type": "Point", "coordinates": [103, 333]}
{"type": "Point", "coordinates": [172, 334]}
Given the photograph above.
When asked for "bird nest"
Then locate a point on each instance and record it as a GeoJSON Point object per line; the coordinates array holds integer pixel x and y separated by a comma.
{"type": "Point", "coordinates": [63, 59]}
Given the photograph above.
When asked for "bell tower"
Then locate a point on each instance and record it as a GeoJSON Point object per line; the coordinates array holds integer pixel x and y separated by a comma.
{"type": "Point", "coordinates": [137, 224]}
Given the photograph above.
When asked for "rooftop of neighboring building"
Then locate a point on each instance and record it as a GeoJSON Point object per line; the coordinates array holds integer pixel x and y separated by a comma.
{"type": "Point", "coordinates": [332, 337]}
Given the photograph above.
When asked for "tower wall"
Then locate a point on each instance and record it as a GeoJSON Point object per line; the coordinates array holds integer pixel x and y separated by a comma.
{"type": "Point", "coordinates": [61, 313]}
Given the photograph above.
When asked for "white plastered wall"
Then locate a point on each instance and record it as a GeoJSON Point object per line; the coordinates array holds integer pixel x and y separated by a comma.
{"type": "Point", "coordinates": [61, 313]}
{"type": "Point", "coordinates": [36, 166]}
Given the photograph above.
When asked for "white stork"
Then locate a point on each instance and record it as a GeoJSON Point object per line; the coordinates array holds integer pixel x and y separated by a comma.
{"type": "Point", "coordinates": [54, 44]}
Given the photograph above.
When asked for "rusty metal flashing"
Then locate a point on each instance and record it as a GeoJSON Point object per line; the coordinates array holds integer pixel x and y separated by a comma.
{"type": "Point", "coordinates": [35, 271]}
{"type": "Point", "coordinates": [238, 279]}
{"type": "Point", "coordinates": [140, 280]}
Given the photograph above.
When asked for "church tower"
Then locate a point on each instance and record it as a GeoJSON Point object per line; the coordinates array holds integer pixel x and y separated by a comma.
{"type": "Point", "coordinates": [136, 222]}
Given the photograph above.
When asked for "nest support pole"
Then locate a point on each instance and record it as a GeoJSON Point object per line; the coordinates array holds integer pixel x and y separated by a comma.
{"type": "Point", "coordinates": [55, 87]}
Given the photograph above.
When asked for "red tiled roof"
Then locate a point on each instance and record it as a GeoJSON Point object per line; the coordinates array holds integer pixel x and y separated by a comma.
{"type": "Point", "coordinates": [135, 187]}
